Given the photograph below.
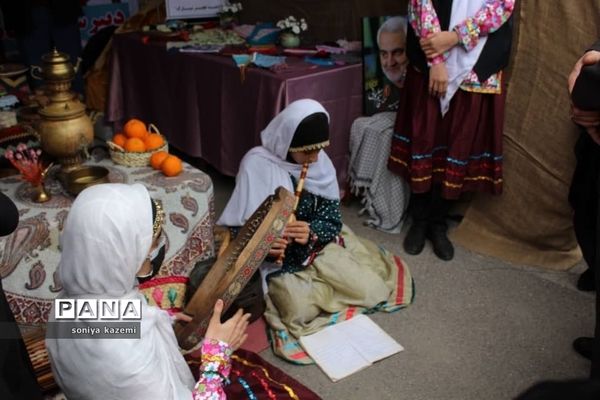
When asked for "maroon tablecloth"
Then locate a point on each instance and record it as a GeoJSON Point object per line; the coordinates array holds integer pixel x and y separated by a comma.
{"type": "Point", "coordinates": [200, 104]}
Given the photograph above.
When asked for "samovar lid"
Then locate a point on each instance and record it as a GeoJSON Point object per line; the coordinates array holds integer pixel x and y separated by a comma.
{"type": "Point", "coordinates": [63, 110]}
{"type": "Point", "coordinates": [56, 57]}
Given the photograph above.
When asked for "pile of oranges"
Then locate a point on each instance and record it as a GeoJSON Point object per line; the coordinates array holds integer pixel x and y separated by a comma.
{"type": "Point", "coordinates": [136, 138]}
{"type": "Point", "coordinates": [169, 164]}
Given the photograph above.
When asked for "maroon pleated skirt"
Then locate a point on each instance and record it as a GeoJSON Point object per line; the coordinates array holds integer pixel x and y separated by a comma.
{"type": "Point", "coordinates": [461, 152]}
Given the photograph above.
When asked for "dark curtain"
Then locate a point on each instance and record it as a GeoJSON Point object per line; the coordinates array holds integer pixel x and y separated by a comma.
{"type": "Point", "coordinates": [327, 20]}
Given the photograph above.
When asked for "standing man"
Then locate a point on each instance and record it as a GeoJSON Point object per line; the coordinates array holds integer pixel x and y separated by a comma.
{"type": "Point", "coordinates": [584, 198]}
{"type": "Point", "coordinates": [585, 177]}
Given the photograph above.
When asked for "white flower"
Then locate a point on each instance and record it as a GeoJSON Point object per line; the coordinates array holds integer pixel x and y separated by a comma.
{"type": "Point", "coordinates": [292, 24]}
{"type": "Point", "coordinates": [239, 5]}
{"type": "Point", "coordinates": [234, 8]}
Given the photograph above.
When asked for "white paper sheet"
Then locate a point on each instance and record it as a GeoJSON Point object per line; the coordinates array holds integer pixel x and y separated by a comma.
{"type": "Point", "coordinates": [345, 348]}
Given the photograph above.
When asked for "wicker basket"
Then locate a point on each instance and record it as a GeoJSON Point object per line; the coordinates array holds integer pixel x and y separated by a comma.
{"type": "Point", "coordinates": [135, 159]}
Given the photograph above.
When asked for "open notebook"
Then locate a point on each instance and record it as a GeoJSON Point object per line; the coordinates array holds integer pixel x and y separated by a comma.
{"type": "Point", "coordinates": [345, 348]}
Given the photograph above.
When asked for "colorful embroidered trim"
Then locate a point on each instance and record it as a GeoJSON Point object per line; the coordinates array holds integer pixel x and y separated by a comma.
{"type": "Point", "coordinates": [468, 34]}
{"type": "Point", "coordinates": [476, 157]}
{"type": "Point", "coordinates": [252, 365]}
{"type": "Point", "coordinates": [265, 386]}
{"type": "Point", "coordinates": [308, 147]}
{"type": "Point", "coordinates": [246, 387]}
{"type": "Point", "coordinates": [164, 280]}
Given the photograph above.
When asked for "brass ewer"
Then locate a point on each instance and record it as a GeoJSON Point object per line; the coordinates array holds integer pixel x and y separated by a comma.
{"type": "Point", "coordinates": [65, 129]}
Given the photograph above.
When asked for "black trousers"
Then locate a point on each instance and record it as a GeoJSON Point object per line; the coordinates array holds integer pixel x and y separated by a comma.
{"type": "Point", "coordinates": [430, 208]}
{"type": "Point", "coordinates": [584, 197]}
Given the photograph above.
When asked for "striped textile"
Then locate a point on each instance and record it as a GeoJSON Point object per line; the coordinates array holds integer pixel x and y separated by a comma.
{"type": "Point", "coordinates": [384, 194]}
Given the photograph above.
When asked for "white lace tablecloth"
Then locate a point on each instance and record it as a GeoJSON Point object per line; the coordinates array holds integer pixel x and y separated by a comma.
{"type": "Point", "coordinates": [29, 257]}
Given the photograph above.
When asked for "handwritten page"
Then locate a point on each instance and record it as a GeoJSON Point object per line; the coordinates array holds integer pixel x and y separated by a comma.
{"type": "Point", "coordinates": [333, 354]}
{"type": "Point", "coordinates": [345, 348]}
{"type": "Point", "coordinates": [369, 339]}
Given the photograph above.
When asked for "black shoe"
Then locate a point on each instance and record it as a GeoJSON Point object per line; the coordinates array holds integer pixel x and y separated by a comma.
{"type": "Point", "coordinates": [584, 346]}
{"type": "Point", "coordinates": [415, 238]}
{"type": "Point", "coordinates": [442, 247]}
{"type": "Point", "coordinates": [586, 283]}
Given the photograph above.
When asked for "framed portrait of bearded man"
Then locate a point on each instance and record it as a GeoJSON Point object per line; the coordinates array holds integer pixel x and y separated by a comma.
{"type": "Point", "coordinates": [384, 62]}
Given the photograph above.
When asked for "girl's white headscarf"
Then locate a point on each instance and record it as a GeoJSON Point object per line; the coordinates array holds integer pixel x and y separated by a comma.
{"type": "Point", "coordinates": [107, 235]}
{"type": "Point", "coordinates": [264, 168]}
{"type": "Point", "coordinates": [460, 62]}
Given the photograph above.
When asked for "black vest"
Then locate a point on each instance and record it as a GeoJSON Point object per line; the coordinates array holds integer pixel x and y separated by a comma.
{"type": "Point", "coordinates": [494, 56]}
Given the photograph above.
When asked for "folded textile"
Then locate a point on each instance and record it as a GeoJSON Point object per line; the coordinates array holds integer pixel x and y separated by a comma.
{"type": "Point", "coordinates": [384, 195]}
{"type": "Point", "coordinates": [266, 61]}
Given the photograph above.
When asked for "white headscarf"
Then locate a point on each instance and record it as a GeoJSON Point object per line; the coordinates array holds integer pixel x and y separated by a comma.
{"type": "Point", "coordinates": [460, 62]}
{"type": "Point", "coordinates": [264, 168]}
{"type": "Point", "coordinates": [107, 235]}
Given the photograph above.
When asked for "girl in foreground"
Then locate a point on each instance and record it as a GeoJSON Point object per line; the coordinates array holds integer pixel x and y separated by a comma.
{"type": "Point", "coordinates": [110, 237]}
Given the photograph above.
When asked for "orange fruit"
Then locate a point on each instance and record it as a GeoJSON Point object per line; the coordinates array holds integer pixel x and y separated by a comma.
{"type": "Point", "coordinates": [119, 139]}
{"type": "Point", "coordinates": [157, 159]}
{"type": "Point", "coordinates": [153, 141]}
{"type": "Point", "coordinates": [171, 166]}
{"type": "Point", "coordinates": [135, 145]}
{"type": "Point", "coordinates": [134, 128]}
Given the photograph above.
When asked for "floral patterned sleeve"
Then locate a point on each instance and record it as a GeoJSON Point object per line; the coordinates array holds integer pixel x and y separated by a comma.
{"type": "Point", "coordinates": [488, 19]}
{"type": "Point", "coordinates": [424, 21]}
{"type": "Point", "coordinates": [214, 371]}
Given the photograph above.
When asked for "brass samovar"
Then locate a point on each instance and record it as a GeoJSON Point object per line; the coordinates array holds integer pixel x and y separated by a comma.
{"type": "Point", "coordinates": [65, 129]}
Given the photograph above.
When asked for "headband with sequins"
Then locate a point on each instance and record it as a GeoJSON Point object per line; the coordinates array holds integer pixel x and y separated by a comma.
{"type": "Point", "coordinates": [159, 219]}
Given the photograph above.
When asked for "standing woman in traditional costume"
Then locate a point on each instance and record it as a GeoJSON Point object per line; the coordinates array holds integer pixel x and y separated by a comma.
{"type": "Point", "coordinates": [109, 239]}
{"type": "Point", "coordinates": [448, 134]}
{"type": "Point", "coordinates": [327, 274]}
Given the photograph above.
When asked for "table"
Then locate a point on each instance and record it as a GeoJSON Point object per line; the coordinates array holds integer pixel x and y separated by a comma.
{"type": "Point", "coordinates": [30, 255]}
{"type": "Point", "coordinates": [201, 105]}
